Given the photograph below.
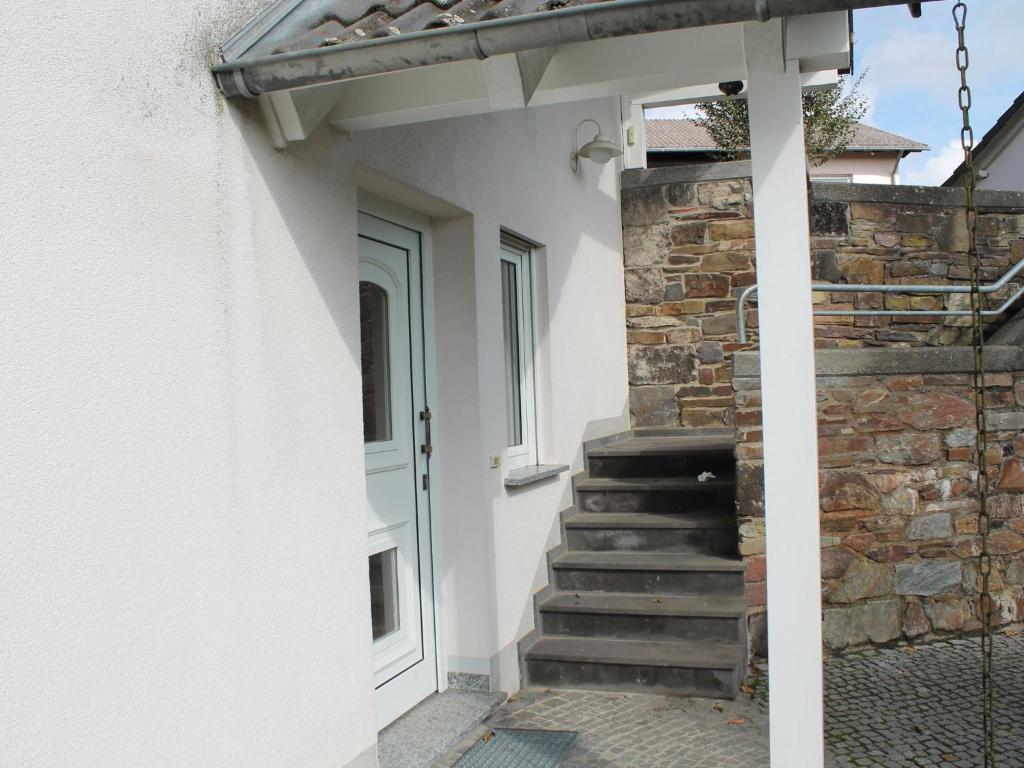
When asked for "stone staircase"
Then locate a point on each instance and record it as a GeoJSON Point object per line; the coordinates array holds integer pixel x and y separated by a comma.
{"type": "Point", "coordinates": [646, 593]}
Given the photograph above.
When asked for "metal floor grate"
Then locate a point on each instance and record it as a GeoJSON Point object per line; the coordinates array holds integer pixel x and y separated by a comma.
{"type": "Point", "coordinates": [519, 748]}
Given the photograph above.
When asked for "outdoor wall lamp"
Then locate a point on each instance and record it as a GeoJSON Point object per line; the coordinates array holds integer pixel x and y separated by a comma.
{"type": "Point", "coordinates": [600, 149]}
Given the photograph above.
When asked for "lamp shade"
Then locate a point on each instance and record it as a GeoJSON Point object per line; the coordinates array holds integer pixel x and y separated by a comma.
{"type": "Point", "coordinates": [600, 149]}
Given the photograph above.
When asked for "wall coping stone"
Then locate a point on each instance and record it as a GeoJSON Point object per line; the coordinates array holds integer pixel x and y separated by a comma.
{"type": "Point", "coordinates": [947, 197]}
{"type": "Point", "coordinates": [886, 361]}
{"type": "Point", "coordinates": [826, 192]}
{"type": "Point", "coordinates": [674, 174]}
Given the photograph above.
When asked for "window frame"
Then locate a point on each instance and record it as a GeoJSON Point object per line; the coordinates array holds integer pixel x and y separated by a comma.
{"type": "Point", "coordinates": [520, 255]}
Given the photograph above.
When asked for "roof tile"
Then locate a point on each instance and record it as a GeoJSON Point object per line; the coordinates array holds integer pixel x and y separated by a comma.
{"type": "Point", "coordinates": [345, 21]}
{"type": "Point", "coordinates": [688, 135]}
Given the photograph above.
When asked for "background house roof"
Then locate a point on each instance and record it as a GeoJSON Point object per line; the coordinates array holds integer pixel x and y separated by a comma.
{"type": "Point", "coordinates": [683, 135]}
{"type": "Point", "coordinates": [1001, 124]}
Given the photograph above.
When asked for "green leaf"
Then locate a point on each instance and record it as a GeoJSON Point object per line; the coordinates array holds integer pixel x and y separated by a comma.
{"type": "Point", "coordinates": [830, 118]}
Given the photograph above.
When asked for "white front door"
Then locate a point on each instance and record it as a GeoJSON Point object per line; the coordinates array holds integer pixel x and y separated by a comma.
{"type": "Point", "coordinates": [397, 465]}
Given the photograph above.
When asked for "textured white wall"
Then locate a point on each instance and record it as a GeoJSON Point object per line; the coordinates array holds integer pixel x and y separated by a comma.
{"type": "Point", "coordinates": [182, 545]}
{"type": "Point", "coordinates": [182, 538]}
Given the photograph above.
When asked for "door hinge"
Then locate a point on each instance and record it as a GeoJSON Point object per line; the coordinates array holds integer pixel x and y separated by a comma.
{"type": "Point", "coordinates": [426, 448]}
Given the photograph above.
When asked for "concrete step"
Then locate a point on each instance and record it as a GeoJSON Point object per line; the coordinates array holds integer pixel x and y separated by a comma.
{"type": "Point", "coordinates": [649, 532]}
{"type": "Point", "coordinates": [649, 591]}
{"type": "Point", "coordinates": [680, 667]}
{"type": "Point", "coordinates": [645, 617]}
{"type": "Point", "coordinates": [664, 456]}
{"type": "Point", "coordinates": [656, 573]}
{"type": "Point", "coordinates": [662, 495]}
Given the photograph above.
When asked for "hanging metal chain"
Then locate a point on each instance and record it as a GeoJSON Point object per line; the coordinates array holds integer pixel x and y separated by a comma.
{"type": "Point", "coordinates": [978, 386]}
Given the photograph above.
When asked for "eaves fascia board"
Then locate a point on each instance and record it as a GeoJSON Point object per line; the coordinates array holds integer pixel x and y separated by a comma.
{"type": "Point", "coordinates": [889, 148]}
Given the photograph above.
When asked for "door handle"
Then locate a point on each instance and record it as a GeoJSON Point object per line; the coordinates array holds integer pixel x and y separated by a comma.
{"type": "Point", "coordinates": [426, 448]}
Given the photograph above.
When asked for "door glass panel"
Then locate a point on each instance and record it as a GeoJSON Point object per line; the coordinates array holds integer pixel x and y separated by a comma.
{"type": "Point", "coordinates": [373, 328]}
{"type": "Point", "coordinates": [384, 593]}
{"type": "Point", "coordinates": [513, 365]}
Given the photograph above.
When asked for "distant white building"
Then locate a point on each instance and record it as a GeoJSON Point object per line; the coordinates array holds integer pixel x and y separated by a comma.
{"type": "Point", "coordinates": [999, 156]}
{"type": "Point", "coordinates": [873, 156]}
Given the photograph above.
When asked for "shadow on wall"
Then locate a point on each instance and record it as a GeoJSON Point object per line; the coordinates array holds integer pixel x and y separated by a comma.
{"type": "Point", "coordinates": [313, 191]}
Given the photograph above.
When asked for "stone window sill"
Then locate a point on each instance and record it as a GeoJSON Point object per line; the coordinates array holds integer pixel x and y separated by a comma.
{"type": "Point", "coordinates": [535, 473]}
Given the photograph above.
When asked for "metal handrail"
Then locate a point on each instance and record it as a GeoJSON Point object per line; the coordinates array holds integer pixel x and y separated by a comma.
{"type": "Point", "coordinates": [741, 301]}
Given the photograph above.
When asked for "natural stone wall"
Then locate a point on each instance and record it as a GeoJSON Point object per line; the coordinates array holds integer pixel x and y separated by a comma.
{"type": "Point", "coordinates": [689, 250]}
{"type": "Point", "coordinates": [899, 509]}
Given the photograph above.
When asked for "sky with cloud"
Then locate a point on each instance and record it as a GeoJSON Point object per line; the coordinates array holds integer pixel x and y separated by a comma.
{"type": "Point", "coordinates": [912, 78]}
{"type": "Point", "coordinates": [912, 81]}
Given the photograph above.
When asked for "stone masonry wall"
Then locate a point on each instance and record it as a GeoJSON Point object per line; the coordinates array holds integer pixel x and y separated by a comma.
{"type": "Point", "coordinates": [689, 250]}
{"type": "Point", "coordinates": [899, 510]}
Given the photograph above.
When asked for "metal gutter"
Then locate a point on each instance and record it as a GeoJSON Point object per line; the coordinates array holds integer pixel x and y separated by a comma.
{"type": "Point", "coordinates": [480, 40]}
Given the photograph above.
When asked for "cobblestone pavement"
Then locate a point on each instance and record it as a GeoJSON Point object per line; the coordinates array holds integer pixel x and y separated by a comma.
{"type": "Point", "coordinates": [897, 708]}
{"type": "Point", "coordinates": [900, 707]}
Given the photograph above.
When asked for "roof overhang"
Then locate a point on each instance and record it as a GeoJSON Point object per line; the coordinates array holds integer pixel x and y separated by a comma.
{"type": "Point", "coordinates": [631, 48]}
{"type": "Point", "coordinates": [242, 75]}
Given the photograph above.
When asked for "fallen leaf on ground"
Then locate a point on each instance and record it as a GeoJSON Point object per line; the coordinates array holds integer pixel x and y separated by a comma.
{"type": "Point", "coordinates": [487, 736]}
{"type": "Point", "coordinates": [949, 758]}
{"type": "Point", "coordinates": [1012, 633]}
{"type": "Point", "coordinates": [513, 697]}
{"type": "Point", "coordinates": [911, 649]}
{"type": "Point", "coordinates": [737, 721]}
{"type": "Point", "coordinates": [747, 688]}
{"type": "Point", "coordinates": [717, 707]}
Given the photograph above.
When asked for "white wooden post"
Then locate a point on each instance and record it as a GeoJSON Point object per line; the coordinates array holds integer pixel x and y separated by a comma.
{"type": "Point", "coordinates": [788, 398]}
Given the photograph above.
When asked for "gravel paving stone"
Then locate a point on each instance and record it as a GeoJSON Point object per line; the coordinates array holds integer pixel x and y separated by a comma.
{"type": "Point", "coordinates": [897, 707]}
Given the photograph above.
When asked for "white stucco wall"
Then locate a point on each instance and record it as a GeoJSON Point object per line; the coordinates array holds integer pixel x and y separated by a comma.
{"type": "Point", "coordinates": [180, 551]}
{"type": "Point", "coordinates": [862, 168]}
{"type": "Point", "coordinates": [182, 545]}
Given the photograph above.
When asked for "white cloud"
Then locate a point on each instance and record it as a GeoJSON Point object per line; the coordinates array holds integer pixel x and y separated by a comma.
{"type": "Point", "coordinates": [912, 62]}
{"type": "Point", "coordinates": [931, 171]}
{"type": "Point", "coordinates": [918, 56]}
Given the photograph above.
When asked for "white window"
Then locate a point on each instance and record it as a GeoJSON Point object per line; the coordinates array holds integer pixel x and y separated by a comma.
{"type": "Point", "coordinates": [834, 179]}
{"type": "Point", "coordinates": [518, 328]}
